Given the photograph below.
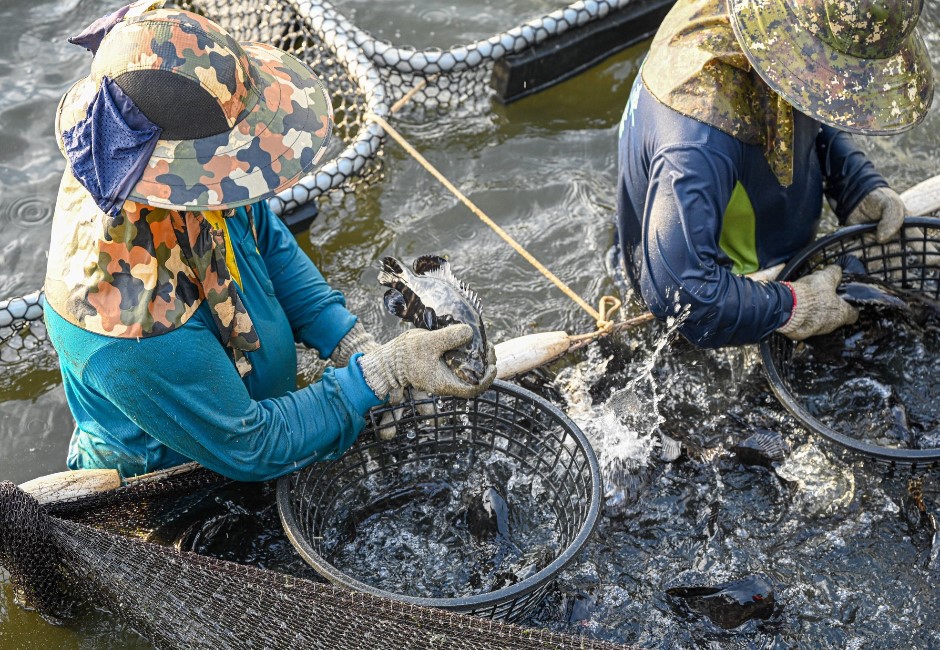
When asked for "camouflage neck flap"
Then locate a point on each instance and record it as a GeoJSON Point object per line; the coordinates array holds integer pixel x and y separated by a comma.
{"type": "Point", "coordinates": [693, 54]}
{"type": "Point", "coordinates": [142, 272]}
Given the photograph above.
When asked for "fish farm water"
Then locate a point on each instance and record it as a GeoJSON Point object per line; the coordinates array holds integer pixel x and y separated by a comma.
{"type": "Point", "coordinates": [473, 525]}
{"type": "Point", "coordinates": [875, 381]}
{"type": "Point", "coordinates": [844, 546]}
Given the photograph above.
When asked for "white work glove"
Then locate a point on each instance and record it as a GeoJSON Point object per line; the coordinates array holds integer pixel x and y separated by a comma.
{"type": "Point", "coordinates": [414, 359]}
{"type": "Point", "coordinates": [356, 340]}
{"type": "Point", "coordinates": [883, 206]}
{"type": "Point", "coordinates": [816, 307]}
{"type": "Point", "coordinates": [359, 340]}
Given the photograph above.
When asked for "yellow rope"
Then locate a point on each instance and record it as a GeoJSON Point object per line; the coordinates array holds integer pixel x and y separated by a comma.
{"type": "Point", "coordinates": [608, 304]}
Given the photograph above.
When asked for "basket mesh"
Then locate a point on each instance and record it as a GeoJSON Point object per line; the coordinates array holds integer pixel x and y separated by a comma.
{"type": "Point", "coordinates": [911, 263]}
{"type": "Point", "coordinates": [507, 420]}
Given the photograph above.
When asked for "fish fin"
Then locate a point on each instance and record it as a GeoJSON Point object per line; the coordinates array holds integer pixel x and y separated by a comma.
{"type": "Point", "coordinates": [429, 264]}
{"type": "Point", "coordinates": [471, 296]}
{"type": "Point", "coordinates": [851, 265]}
{"type": "Point", "coordinates": [437, 267]}
{"type": "Point", "coordinates": [395, 303]}
{"type": "Point", "coordinates": [430, 319]}
{"type": "Point", "coordinates": [391, 271]}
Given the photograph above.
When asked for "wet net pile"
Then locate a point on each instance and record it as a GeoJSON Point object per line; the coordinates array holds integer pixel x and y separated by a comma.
{"type": "Point", "coordinates": [65, 557]}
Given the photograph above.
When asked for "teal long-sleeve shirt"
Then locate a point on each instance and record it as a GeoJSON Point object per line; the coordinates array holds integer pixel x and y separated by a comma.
{"type": "Point", "coordinates": [148, 404]}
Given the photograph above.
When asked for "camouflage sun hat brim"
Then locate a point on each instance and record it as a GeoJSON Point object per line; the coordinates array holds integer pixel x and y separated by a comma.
{"type": "Point", "coordinates": [279, 140]}
{"type": "Point", "coordinates": [868, 96]}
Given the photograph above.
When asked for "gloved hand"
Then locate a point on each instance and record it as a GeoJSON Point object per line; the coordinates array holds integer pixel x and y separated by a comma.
{"type": "Point", "coordinates": [388, 425]}
{"type": "Point", "coordinates": [816, 307]}
{"type": "Point", "coordinates": [415, 359]}
{"type": "Point", "coordinates": [884, 207]}
{"type": "Point", "coordinates": [356, 340]}
{"type": "Point", "coordinates": [888, 245]}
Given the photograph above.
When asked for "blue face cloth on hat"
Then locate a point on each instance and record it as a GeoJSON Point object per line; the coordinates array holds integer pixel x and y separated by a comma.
{"type": "Point", "coordinates": [109, 149]}
{"type": "Point", "coordinates": [91, 36]}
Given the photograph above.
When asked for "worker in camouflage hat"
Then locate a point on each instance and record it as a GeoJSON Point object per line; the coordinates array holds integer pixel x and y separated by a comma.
{"type": "Point", "coordinates": [736, 128]}
{"type": "Point", "coordinates": [174, 295]}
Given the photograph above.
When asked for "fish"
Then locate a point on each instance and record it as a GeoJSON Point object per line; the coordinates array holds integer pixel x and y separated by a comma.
{"type": "Point", "coordinates": [861, 289]}
{"type": "Point", "coordinates": [488, 514]}
{"type": "Point", "coordinates": [764, 447]}
{"type": "Point", "coordinates": [730, 604]}
{"type": "Point", "coordinates": [430, 297]}
{"type": "Point", "coordinates": [433, 491]}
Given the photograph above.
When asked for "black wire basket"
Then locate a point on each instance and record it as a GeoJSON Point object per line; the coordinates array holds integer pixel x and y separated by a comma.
{"type": "Point", "coordinates": [506, 420]}
{"type": "Point", "coordinates": [904, 264]}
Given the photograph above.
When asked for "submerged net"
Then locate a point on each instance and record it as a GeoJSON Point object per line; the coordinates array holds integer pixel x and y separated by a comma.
{"type": "Point", "coordinates": [95, 550]}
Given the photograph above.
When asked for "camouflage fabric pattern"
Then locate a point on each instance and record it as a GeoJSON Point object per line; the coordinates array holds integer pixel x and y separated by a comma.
{"type": "Point", "coordinates": [696, 67]}
{"type": "Point", "coordinates": [280, 114]}
{"type": "Point", "coordinates": [859, 66]}
{"type": "Point", "coordinates": [141, 273]}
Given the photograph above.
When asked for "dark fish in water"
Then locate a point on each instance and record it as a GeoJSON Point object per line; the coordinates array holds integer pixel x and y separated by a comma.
{"type": "Point", "coordinates": [393, 500]}
{"type": "Point", "coordinates": [861, 289]}
{"type": "Point", "coordinates": [764, 447]}
{"type": "Point", "coordinates": [582, 604]}
{"type": "Point", "coordinates": [487, 519]}
{"type": "Point", "coordinates": [730, 604]}
{"type": "Point", "coordinates": [430, 297]}
{"type": "Point", "coordinates": [488, 515]}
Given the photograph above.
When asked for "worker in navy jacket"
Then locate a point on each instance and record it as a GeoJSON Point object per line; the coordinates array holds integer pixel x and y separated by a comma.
{"type": "Point", "coordinates": [736, 127]}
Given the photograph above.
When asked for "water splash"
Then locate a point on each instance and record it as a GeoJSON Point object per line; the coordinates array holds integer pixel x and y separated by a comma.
{"type": "Point", "coordinates": [824, 488]}
{"type": "Point", "coordinates": [624, 429]}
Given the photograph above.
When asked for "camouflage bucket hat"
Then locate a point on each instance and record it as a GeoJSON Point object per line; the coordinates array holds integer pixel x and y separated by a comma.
{"type": "Point", "coordinates": [238, 122]}
{"type": "Point", "coordinates": [857, 65]}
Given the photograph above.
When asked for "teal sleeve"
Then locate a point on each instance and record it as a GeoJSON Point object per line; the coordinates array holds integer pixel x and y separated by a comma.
{"type": "Point", "coordinates": [183, 390]}
{"type": "Point", "coordinates": [317, 312]}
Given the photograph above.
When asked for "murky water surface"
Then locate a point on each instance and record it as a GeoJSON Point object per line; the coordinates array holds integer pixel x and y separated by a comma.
{"type": "Point", "coordinates": [848, 557]}
{"type": "Point", "coordinates": [890, 398]}
{"type": "Point", "coordinates": [474, 524]}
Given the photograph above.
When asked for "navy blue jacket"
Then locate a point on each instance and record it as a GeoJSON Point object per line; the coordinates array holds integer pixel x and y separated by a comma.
{"type": "Point", "coordinates": [697, 208]}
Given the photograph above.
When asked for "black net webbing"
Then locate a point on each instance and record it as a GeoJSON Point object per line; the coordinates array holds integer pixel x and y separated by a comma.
{"type": "Point", "coordinates": [95, 550]}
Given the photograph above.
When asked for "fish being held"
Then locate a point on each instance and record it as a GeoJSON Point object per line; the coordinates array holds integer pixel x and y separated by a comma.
{"type": "Point", "coordinates": [430, 297]}
{"type": "Point", "coordinates": [860, 288]}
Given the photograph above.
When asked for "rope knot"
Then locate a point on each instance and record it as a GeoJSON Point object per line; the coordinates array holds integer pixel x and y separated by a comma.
{"type": "Point", "coordinates": [606, 308]}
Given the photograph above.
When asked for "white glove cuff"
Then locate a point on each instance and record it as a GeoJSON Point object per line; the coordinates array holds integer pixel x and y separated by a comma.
{"type": "Point", "coordinates": [356, 340]}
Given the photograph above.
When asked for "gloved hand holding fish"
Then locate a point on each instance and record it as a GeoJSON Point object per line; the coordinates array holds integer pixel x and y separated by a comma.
{"type": "Point", "coordinates": [452, 358]}
{"type": "Point", "coordinates": [817, 309]}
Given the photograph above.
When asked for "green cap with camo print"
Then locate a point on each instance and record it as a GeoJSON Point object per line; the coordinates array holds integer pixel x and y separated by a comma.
{"type": "Point", "coordinates": [241, 121]}
{"type": "Point", "coordinates": [857, 65]}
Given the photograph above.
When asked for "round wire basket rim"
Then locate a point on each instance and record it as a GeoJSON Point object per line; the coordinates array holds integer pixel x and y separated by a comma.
{"type": "Point", "coordinates": [779, 387]}
{"type": "Point", "coordinates": [489, 598]}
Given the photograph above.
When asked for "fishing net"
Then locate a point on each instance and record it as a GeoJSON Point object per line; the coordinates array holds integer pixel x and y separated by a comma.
{"type": "Point", "coordinates": [95, 550]}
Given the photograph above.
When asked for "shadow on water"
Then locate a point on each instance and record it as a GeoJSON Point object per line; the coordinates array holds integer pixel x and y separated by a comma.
{"type": "Point", "coordinates": [848, 556]}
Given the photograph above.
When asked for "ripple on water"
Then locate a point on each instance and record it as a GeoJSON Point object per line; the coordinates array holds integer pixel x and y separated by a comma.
{"type": "Point", "coordinates": [26, 212]}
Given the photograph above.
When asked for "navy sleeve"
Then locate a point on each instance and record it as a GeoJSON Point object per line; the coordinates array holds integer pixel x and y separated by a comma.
{"type": "Point", "coordinates": [848, 174]}
{"type": "Point", "coordinates": [684, 268]}
{"type": "Point", "coordinates": [317, 313]}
